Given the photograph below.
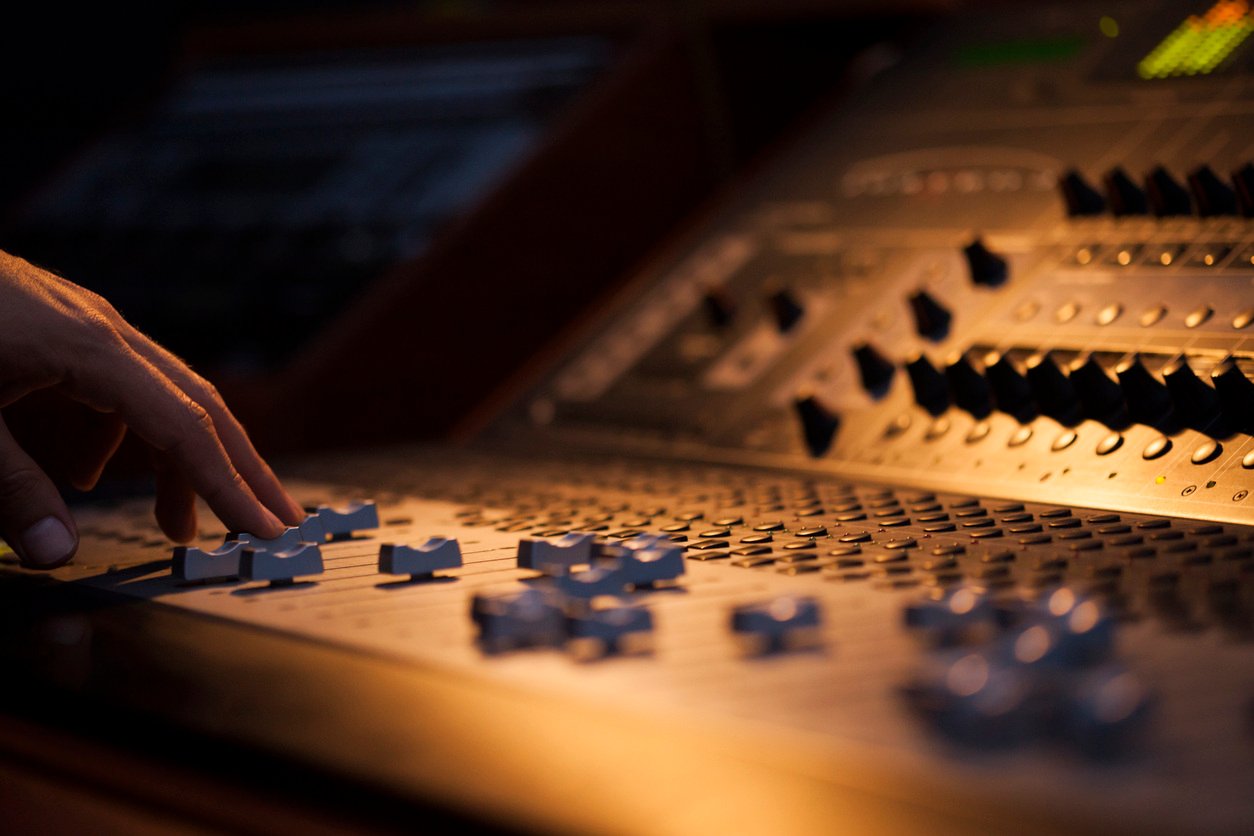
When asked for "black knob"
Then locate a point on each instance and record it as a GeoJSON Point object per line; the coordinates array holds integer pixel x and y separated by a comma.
{"type": "Point", "coordinates": [1147, 398]}
{"type": "Point", "coordinates": [1212, 195]}
{"type": "Point", "coordinates": [931, 318]}
{"type": "Point", "coordinates": [931, 390]}
{"type": "Point", "coordinates": [987, 268]}
{"type": "Point", "coordinates": [818, 423]}
{"type": "Point", "coordinates": [786, 309]}
{"type": "Point", "coordinates": [874, 369]}
{"type": "Point", "coordinates": [1243, 181]}
{"type": "Point", "coordinates": [1166, 196]}
{"type": "Point", "coordinates": [1053, 390]}
{"type": "Point", "coordinates": [1011, 391]}
{"type": "Point", "coordinates": [1125, 197]}
{"type": "Point", "coordinates": [1100, 396]}
{"type": "Point", "coordinates": [970, 389]}
{"type": "Point", "coordinates": [1236, 394]}
{"type": "Point", "coordinates": [1196, 403]}
{"type": "Point", "coordinates": [1081, 198]}
{"type": "Point", "coordinates": [720, 308]}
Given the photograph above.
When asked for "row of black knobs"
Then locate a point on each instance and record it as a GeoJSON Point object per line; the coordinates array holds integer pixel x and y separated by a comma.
{"type": "Point", "coordinates": [931, 318]}
{"type": "Point", "coordinates": [1204, 193]}
{"type": "Point", "coordinates": [1083, 389]}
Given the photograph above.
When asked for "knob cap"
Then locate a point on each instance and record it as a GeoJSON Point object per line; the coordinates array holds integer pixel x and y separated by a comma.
{"type": "Point", "coordinates": [720, 308]}
{"type": "Point", "coordinates": [874, 369]}
{"type": "Point", "coordinates": [1196, 403]}
{"type": "Point", "coordinates": [1166, 196]}
{"type": "Point", "coordinates": [1147, 398]}
{"type": "Point", "coordinates": [818, 424]}
{"type": "Point", "coordinates": [1125, 197]}
{"type": "Point", "coordinates": [987, 268]}
{"type": "Point", "coordinates": [931, 318]}
{"type": "Point", "coordinates": [786, 310]}
{"type": "Point", "coordinates": [1212, 195]}
{"type": "Point", "coordinates": [1243, 181]}
{"type": "Point", "coordinates": [1011, 391]}
{"type": "Point", "coordinates": [970, 389]}
{"type": "Point", "coordinates": [1236, 393]}
{"type": "Point", "coordinates": [1081, 198]}
{"type": "Point", "coordinates": [1053, 391]}
{"type": "Point", "coordinates": [931, 390]}
{"type": "Point", "coordinates": [1100, 396]}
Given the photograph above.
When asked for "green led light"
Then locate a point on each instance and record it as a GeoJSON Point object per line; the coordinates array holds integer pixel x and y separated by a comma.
{"type": "Point", "coordinates": [1199, 44]}
{"type": "Point", "coordinates": [1109, 26]}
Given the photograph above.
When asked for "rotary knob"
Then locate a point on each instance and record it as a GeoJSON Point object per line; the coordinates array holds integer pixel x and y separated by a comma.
{"type": "Point", "coordinates": [1011, 390]}
{"type": "Point", "coordinates": [1053, 390]}
{"type": "Point", "coordinates": [1166, 196]}
{"type": "Point", "coordinates": [970, 388]}
{"type": "Point", "coordinates": [931, 318]}
{"type": "Point", "coordinates": [1236, 393]}
{"type": "Point", "coordinates": [818, 423]}
{"type": "Point", "coordinates": [874, 369]}
{"type": "Point", "coordinates": [786, 310]}
{"type": "Point", "coordinates": [1081, 198]}
{"type": "Point", "coordinates": [987, 267]}
{"type": "Point", "coordinates": [1124, 196]}
{"type": "Point", "coordinates": [1212, 195]}
{"type": "Point", "coordinates": [931, 390]}
{"type": "Point", "coordinates": [1197, 404]}
{"type": "Point", "coordinates": [1100, 396]}
{"type": "Point", "coordinates": [1147, 398]}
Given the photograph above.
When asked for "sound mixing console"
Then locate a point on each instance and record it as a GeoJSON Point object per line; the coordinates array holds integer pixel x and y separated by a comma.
{"type": "Point", "coordinates": [910, 491]}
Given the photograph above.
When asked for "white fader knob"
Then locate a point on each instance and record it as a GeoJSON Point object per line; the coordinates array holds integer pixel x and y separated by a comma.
{"type": "Point", "coordinates": [193, 564]}
{"type": "Point", "coordinates": [420, 562]}
{"type": "Point", "coordinates": [556, 557]}
{"type": "Point", "coordinates": [340, 525]}
{"type": "Point", "coordinates": [281, 568]}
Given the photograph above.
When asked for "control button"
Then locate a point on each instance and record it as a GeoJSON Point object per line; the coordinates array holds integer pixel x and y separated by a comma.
{"type": "Point", "coordinates": [1243, 319]}
{"type": "Point", "coordinates": [1157, 448]}
{"type": "Point", "coordinates": [1109, 314]}
{"type": "Point", "coordinates": [987, 268]}
{"type": "Point", "coordinates": [818, 424]}
{"type": "Point", "coordinates": [1100, 396]}
{"type": "Point", "coordinates": [1164, 255]}
{"type": "Point", "coordinates": [420, 562]}
{"type": "Point", "coordinates": [720, 308]}
{"type": "Point", "coordinates": [1243, 181]}
{"type": "Point", "coordinates": [931, 318]}
{"type": "Point", "coordinates": [1020, 437]}
{"type": "Point", "coordinates": [931, 390]}
{"type": "Point", "coordinates": [531, 618]}
{"type": "Point", "coordinates": [1211, 194]}
{"type": "Point", "coordinates": [1109, 444]}
{"type": "Point", "coordinates": [970, 389]}
{"type": "Point", "coordinates": [193, 564]}
{"type": "Point", "coordinates": [1124, 196]}
{"type": "Point", "coordinates": [647, 560]}
{"type": "Point", "coordinates": [784, 622]}
{"type": "Point", "coordinates": [1236, 393]}
{"type": "Point", "coordinates": [1052, 390]}
{"type": "Point", "coordinates": [1011, 391]}
{"type": "Point", "coordinates": [875, 371]}
{"type": "Point", "coordinates": [1248, 461]}
{"type": "Point", "coordinates": [1147, 398]}
{"type": "Point", "coordinates": [611, 630]}
{"type": "Point", "coordinates": [898, 425]}
{"type": "Point", "coordinates": [281, 568]}
{"type": "Point", "coordinates": [1153, 316]}
{"type": "Point", "coordinates": [1209, 254]}
{"type": "Point", "coordinates": [1198, 316]}
{"type": "Point", "coordinates": [786, 310]}
{"type": "Point", "coordinates": [937, 429]}
{"type": "Point", "coordinates": [1206, 452]}
{"type": "Point", "coordinates": [1125, 255]}
{"type": "Point", "coordinates": [946, 617]}
{"type": "Point", "coordinates": [979, 432]}
{"type": "Point", "coordinates": [341, 525]}
{"type": "Point", "coordinates": [556, 557]}
{"type": "Point", "coordinates": [1166, 196]}
{"type": "Point", "coordinates": [1066, 312]}
{"type": "Point", "coordinates": [1064, 441]}
{"type": "Point", "coordinates": [1081, 198]}
{"type": "Point", "coordinates": [1243, 259]}
{"type": "Point", "coordinates": [1196, 403]}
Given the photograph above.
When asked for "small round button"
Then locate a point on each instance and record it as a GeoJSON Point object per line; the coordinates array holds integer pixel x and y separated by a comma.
{"type": "Point", "coordinates": [1109, 314]}
{"type": "Point", "coordinates": [1243, 319]}
{"type": "Point", "coordinates": [1020, 437]}
{"type": "Point", "coordinates": [1248, 461]}
{"type": "Point", "coordinates": [937, 429]}
{"type": "Point", "coordinates": [1109, 444]}
{"type": "Point", "coordinates": [1064, 441]}
{"type": "Point", "coordinates": [1208, 451]}
{"type": "Point", "coordinates": [1152, 316]}
{"type": "Point", "coordinates": [1198, 315]}
{"type": "Point", "coordinates": [1157, 448]}
{"type": "Point", "coordinates": [979, 432]}
{"type": "Point", "coordinates": [1066, 313]}
{"type": "Point", "coordinates": [898, 425]}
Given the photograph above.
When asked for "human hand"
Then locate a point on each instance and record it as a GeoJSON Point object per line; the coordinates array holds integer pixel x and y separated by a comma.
{"type": "Point", "coordinates": [66, 351]}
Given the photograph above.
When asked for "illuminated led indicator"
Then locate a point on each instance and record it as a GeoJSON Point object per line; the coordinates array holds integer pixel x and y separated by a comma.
{"type": "Point", "coordinates": [1109, 26]}
{"type": "Point", "coordinates": [1201, 43]}
{"type": "Point", "coordinates": [1160, 480]}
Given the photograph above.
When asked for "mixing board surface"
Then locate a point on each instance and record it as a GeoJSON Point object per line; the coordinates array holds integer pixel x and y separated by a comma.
{"type": "Point", "coordinates": [927, 461]}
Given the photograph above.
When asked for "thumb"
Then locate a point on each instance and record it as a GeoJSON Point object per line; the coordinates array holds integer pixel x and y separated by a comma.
{"type": "Point", "coordinates": [33, 518]}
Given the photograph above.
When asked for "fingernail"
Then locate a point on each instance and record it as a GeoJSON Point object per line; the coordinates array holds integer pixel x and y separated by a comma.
{"type": "Point", "coordinates": [276, 525]}
{"type": "Point", "coordinates": [47, 543]}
